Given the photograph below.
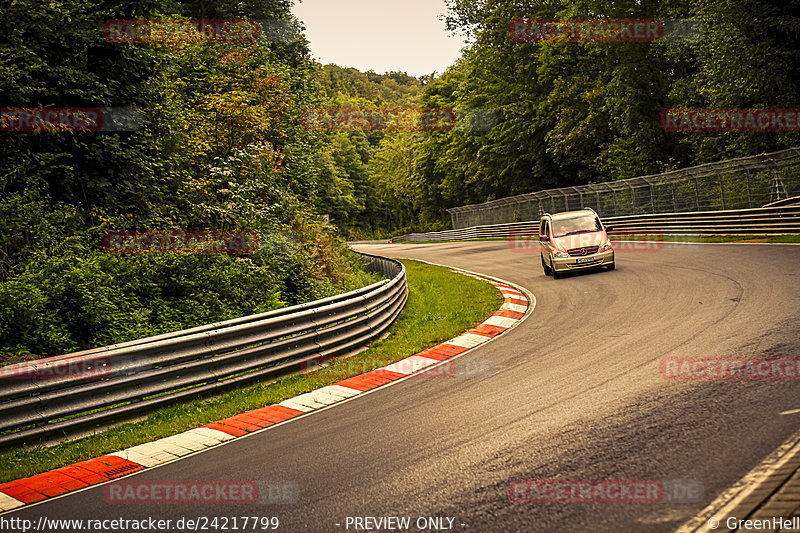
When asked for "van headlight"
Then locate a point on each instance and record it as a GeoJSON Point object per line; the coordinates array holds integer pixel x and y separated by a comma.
{"type": "Point", "coordinates": [560, 253]}
{"type": "Point", "coordinates": [606, 246]}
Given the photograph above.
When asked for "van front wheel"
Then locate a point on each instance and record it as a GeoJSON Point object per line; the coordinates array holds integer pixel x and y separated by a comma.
{"type": "Point", "coordinates": [547, 270]}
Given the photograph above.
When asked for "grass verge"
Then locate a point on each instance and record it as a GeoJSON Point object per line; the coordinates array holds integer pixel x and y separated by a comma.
{"type": "Point", "coordinates": [441, 304]}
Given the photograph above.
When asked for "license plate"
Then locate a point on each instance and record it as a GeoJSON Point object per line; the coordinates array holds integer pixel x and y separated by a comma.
{"type": "Point", "coordinates": [584, 260]}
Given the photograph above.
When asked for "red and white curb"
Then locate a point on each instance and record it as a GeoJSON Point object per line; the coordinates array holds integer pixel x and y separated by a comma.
{"type": "Point", "coordinates": [518, 303]}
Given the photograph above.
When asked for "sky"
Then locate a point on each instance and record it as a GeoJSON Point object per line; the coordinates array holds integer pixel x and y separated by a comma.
{"type": "Point", "coordinates": [381, 35]}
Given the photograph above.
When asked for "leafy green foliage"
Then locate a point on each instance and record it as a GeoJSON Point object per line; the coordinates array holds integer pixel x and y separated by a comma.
{"type": "Point", "coordinates": [364, 182]}
{"type": "Point", "coordinates": [572, 113]}
{"type": "Point", "coordinates": [220, 146]}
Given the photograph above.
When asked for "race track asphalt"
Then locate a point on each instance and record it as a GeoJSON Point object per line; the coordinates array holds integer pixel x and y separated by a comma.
{"type": "Point", "coordinates": [574, 392]}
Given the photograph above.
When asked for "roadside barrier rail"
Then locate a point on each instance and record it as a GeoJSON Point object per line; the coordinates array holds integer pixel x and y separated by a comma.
{"type": "Point", "coordinates": [760, 221]}
{"type": "Point", "coordinates": [82, 392]}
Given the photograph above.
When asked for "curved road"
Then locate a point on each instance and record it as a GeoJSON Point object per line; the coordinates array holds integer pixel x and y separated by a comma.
{"type": "Point", "coordinates": [576, 393]}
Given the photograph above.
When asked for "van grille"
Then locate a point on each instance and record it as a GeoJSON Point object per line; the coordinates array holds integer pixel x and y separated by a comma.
{"type": "Point", "coordinates": [586, 250]}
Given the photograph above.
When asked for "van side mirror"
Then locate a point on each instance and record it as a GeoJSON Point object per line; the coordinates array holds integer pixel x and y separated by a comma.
{"type": "Point", "coordinates": [543, 238]}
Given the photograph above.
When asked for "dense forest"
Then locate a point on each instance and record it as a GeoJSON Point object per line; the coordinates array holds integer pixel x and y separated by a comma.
{"type": "Point", "coordinates": [222, 145]}
{"type": "Point", "coordinates": [219, 146]}
{"type": "Point", "coordinates": [364, 182]}
{"type": "Point", "coordinates": [567, 113]}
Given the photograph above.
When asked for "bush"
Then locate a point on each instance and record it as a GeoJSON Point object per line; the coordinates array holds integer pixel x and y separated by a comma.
{"type": "Point", "coordinates": [60, 304]}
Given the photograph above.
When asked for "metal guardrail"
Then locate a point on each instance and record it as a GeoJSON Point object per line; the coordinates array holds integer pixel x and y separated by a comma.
{"type": "Point", "coordinates": [761, 221]}
{"type": "Point", "coordinates": [794, 200]}
{"type": "Point", "coordinates": [84, 391]}
{"type": "Point", "coordinates": [741, 183]}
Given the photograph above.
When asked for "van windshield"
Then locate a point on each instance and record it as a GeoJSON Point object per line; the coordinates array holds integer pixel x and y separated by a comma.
{"type": "Point", "coordinates": [576, 224]}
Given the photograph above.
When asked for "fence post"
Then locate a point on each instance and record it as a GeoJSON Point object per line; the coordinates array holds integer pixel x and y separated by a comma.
{"type": "Point", "coordinates": [674, 201]}
{"type": "Point", "coordinates": [749, 189]}
{"type": "Point", "coordinates": [722, 190]}
{"type": "Point", "coordinates": [633, 200]}
{"type": "Point", "coordinates": [697, 193]}
{"type": "Point", "coordinates": [778, 187]}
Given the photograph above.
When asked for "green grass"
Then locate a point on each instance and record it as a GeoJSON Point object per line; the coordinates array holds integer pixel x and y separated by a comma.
{"type": "Point", "coordinates": [784, 238]}
{"type": "Point", "coordinates": [441, 305]}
